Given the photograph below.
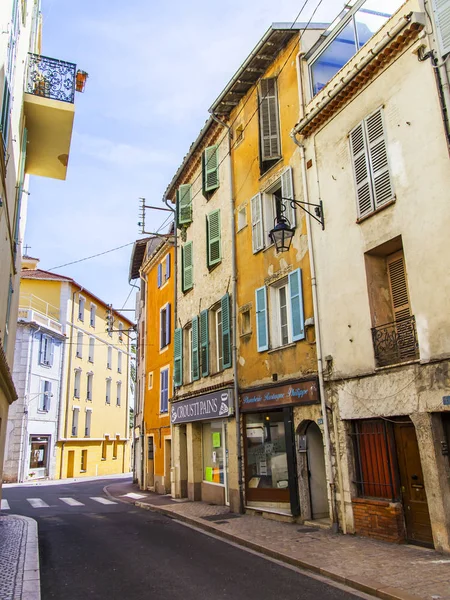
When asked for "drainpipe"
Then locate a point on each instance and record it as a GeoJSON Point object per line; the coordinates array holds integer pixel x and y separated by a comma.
{"type": "Point", "coordinates": [323, 404]}
{"type": "Point", "coordinates": [60, 398]}
{"type": "Point", "coordinates": [234, 322]}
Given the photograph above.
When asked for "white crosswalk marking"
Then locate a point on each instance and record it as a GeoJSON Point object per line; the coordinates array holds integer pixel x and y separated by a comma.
{"type": "Point", "coordinates": [133, 495]}
{"type": "Point", "coordinates": [102, 500]}
{"type": "Point", "coordinates": [5, 505]}
{"type": "Point", "coordinates": [71, 502]}
{"type": "Point", "coordinates": [37, 503]}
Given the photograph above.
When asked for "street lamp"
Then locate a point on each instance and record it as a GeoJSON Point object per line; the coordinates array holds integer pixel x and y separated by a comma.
{"type": "Point", "coordinates": [282, 233]}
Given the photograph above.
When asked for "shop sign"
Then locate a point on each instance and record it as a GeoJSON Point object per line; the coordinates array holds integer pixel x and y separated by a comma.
{"type": "Point", "coordinates": [300, 392]}
{"type": "Point", "coordinates": [216, 405]}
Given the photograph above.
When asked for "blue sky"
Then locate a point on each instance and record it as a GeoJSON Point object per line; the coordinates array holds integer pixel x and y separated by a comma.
{"type": "Point", "coordinates": [154, 69]}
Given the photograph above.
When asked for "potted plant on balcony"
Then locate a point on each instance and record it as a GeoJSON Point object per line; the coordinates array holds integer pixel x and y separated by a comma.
{"type": "Point", "coordinates": [80, 80]}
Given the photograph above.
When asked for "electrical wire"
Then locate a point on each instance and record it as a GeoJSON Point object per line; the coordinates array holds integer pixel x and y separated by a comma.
{"type": "Point", "coordinates": [89, 257]}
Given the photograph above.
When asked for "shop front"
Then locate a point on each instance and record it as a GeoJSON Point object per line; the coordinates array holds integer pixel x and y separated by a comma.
{"type": "Point", "coordinates": [271, 445]}
{"type": "Point", "coordinates": [200, 432]}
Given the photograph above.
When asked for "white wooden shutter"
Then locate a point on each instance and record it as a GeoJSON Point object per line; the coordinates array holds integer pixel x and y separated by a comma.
{"type": "Point", "coordinates": [287, 191]}
{"type": "Point", "coordinates": [268, 117]}
{"type": "Point", "coordinates": [382, 189]}
{"type": "Point", "coordinates": [257, 223]}
{"type": "Point", "coordinates": [361, 174]}
{"type": "Point", "coordinates": [441, 10]}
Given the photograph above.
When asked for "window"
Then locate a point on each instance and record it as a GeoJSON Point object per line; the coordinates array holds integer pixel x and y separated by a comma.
{"type": "Point", "coordinates": [81, 305]}
{"type": "Point", "coordinates": [221, 342]}
{"type": "Point", "coordinates": [87, 428]}
{"type": "Point", "coordinates": [167, 269]}
{"type": "Point", "coordinates": [372, 177]}
{"type": "Point", "coordinates": [46, 350]}
{"type": "Point", "coordinates": [91, 349]}
{"type": "Point", "coordinates": [77, 383]}
{"type": "Point", "coordinates": [269, 126]}
{"type": "Point", "coordinates": [177, 359]}
{"type": "Point", "coordinates": [204, 343]}
{"type": "Point", "coordinates": [245, 320]}
{"type": "Point", "coordinates": [79, 345]}
{"type": "Point", "coordinates": [285, 309]}
{"type": "Point", "coordinates": [242, 218]}
{"type": "Point", "coordinates": [92, 315]}
{"type": "Point", "coordinates": [257, 223]}
{"type": "Point", "coordinates": [83, 461]}
{"type": "Point", "coordinates": [195, 363]}
{"type": "Point", "coordinates": [213, 243]}
{"type": "Point", "coordinates": [119, 362]}
{"type": "Point", "coordinates": [187, 267]}
{"type": "Point", "coordinates": [45, 395]}
{"type": "Point", "coordinates": [219, 350]}
{"type": "Point", "coordinates": [119, 393]}
{"type": "Point", "coordinates": [164, 323]}
{"type": "Point", "coordinates": [354, 28]}
{"type": "Point", "coordinates": [89, 382]}
{"type": "Point", "coordinates": [150, 380]}
{"type": "Point", "coordinates": [108, 390]}
{"type": "Point", "coordinates": [184, 203]}
{"type": "Point", "coordinates": [214, 452]}
{"type": "Point", "coordinates": [210, 169]}
{"type": "Point", "coordinates": [109, 358]}
{"type": "Point", "coordinates": [75, 411]}
{"type": "Point", "coordinates": [374, 450]}
{"type": "Point", "coordinates": [164, 390]}
{"type": "Point", "coordinates": [159, 275]}
{"type": "Point", "coordinates": [120, 332]}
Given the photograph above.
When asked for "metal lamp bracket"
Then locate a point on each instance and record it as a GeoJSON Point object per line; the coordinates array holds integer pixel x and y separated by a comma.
{"type": "Point", "coordinates": [318, 209]}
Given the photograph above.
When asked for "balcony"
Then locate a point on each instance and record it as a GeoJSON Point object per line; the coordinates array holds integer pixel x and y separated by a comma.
{"type": "Point", "coordinates": [395, 342]}
{"type": "Point", "coordinates": [49, 113]}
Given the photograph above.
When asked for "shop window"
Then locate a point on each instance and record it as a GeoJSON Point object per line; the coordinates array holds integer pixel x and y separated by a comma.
{"type": "Point", "coordinates": [266, 457]}
{"type": "Point", "coordinates": [83, 468]}
{"type": "Point", "coordinates": [38, 452]}
{"type": "Point", "coordinates": [213, 452]}
{"type": "Point", "coordinates": [375, 462]}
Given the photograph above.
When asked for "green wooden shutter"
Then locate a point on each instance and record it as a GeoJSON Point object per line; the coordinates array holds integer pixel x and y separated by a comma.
{"type": "Point", "coordinates": [296, 298]}
{"type": "Point", "coordinates": [188, 267]}
{"type": "Point", "coordinates": [194, 350]}
{"type": "Point", "coordinates": [268, 120]}
{"type": "Point", "coordinates": [185, 204]}
{"type": "Point", "coordinates": [226, 331]}
{"type": "Point", "coordinates": [262, 330]}
{"type": "Point", "coordinates": [178, 358]}
{"type": "Point", "coordinates": [211, 169]}
{"type": "Point", "coordinates": [213, 237]}
{"type": "Point", "coordinates": [204, 343]}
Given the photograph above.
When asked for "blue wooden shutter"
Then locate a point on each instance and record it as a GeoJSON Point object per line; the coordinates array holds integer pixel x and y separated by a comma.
{"type": "Point", "coordinates": [210, 169]}
{"type": "Point", "coordinates": [204, 343]}
{"type": "Point", "coordinates": [194, 350]}
{"type": "Point", "coordinates": [262, 333]}
{"type": "Point", "coordinates": [184, 204]}
{"type": "Point", "coordinates": [178, 358]}
{"type": "Point", "coordinates": [296, 298]}
{"type": "Point", "coordinates": [188, 267]}
{"type": "Point", "coordinates": [167, 266]}
{"type": "Point", "coordinates": [167, 324]}
{"type": "Point", "coordinates": [42, 349]}
{"type": "Point", "coordinates": [51, 341]}
{"type": "Point", "coordinates": [226, 331]}
{"type": "Point", "coordinates": [159, 274]}
{"type": "Point", "coordinates": [164, 390]}
{"type": "Point", "coordinates": [213, 236]}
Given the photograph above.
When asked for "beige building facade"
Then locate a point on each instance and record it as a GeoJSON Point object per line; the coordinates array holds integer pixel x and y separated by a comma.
{"type": "Point", "coordinates": [375, 140]}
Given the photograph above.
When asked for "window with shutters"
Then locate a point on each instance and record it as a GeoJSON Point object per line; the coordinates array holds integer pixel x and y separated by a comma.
{"type": "Point", "coordinates": [75, 411]}
{"type": "Point", "coordinates": [373, 182]}
{"type": "Point", "coordinates": [213, 238]}
{"type": "Point", "coordinates": [79, 352]}
{"type": "Point", "coordinates": [195, 355]}
{"type": "Point", "coordinates": [81, 307]}
{"type": "Point", "coordinates": [109, 358]}
{"type": "Point", "coordinates": [184, 204]}
{"type": "Point", "coordinates": [91, 349]}
{"type": "Point", "coordinates": [220, 335]}
{"type": "Point", "coordinates": [164, 390]}
{"type": "Point", "coordinates": [178, 357]}
{"type": "Point", "coordinates": [45, 396]}
{"type": "Point", "coordinates": [77, 383]}
{"type": "Point", "coordinates": [108, 391]}
{"type": "Point", "coordinates": [163, 271]}
{"type": "Point", "coordinates": [119, 362]}
{"type": "Point", "coordinates": [279, 312]}
{"type": "Point", "coordinates": [89, 385]}
{"type": "Point", "coordinates": [119, 393]}
{"type": "Point", "coordinates": [269, 124]}
{"type": "Point", "coordinates": [92, 313]}
{"type": "Point", "coordinates": [187, 267]}
{"type": "Point", "coordinates": [164, 331]}
{"type": "Point", "coordinates": [46, 350]}
{"type": "Point", "coordinates": [87, 425]}
{"type": "Point", "coordinates": [204, 343]}
{"type": "Point", "coordinates": [186, 354]}
{"type": "Point", "coordinates": [394, 332]}
{"type": "Point", "coordinates": [210, 170]}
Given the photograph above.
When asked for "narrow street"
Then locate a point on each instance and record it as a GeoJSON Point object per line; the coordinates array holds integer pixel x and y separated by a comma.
{"type": "Point", "coordinates": [93, 547]}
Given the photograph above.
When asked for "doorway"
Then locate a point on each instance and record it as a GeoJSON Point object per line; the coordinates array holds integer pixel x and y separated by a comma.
{"type": "Point", "coordinates": [316, 472]}
{"type": "Point", "coordinates": [70, 463]}
{"type": "Point", "coordinates": [167, 464]}
{"type": "Point", "coordinates": [414, 497]}
{"type": "Point", "coordinates": [150, 463]}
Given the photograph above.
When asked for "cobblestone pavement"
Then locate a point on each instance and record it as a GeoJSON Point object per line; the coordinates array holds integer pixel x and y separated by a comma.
{"type": "Point", "coordinates": [386, 570]}
{"type": "Point", "coordinates": [19, 566]}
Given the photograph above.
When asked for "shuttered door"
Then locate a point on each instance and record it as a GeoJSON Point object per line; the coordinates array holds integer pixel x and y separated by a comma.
{"type": "Point", "coordinates": [213, 233]}
{"type": "Point", "coordinates": [269, 124]}
{"type": "Point", "coordinates": [376, 140]}
{"type": "Point", "coordinates": [406, 341]}
{"type": "Point", "coordinates": [364, 197]}
{"type": "Point", "coordinates": [226, 331]}
{"type": "Point", "coordinates": [287, 191]}
{"type": "Point", "coordinates": [204, 343]}
{"type": "Point", "coordinates": [194, 359]}
{"type": "Point", "coordinates": [178, 357]}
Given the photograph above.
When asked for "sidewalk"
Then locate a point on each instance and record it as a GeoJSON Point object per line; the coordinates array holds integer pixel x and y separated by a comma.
{"type": "Point", "coordinates": [387, 571]}
{"type": "Point", "coordinates": [19, 559]}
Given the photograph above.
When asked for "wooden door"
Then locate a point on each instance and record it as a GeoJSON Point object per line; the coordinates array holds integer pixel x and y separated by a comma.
{"type": "Point", "coordinates": [414, 497]}
{"type": "Point", "coordinates": [70, 463]}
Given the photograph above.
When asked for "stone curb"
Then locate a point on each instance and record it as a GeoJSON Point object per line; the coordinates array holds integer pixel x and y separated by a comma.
{"type": "Point", "coordinates": [31, 587]}
{"type": "Point", "coordinates": [361, 584]}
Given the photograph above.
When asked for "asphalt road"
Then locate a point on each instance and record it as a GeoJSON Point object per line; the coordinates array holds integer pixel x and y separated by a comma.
{"type": "Point", "coordinates": [90, 550]}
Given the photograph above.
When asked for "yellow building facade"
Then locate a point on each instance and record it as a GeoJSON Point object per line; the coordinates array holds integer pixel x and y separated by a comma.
{"type": "Point", "coordinates": [93, 435]}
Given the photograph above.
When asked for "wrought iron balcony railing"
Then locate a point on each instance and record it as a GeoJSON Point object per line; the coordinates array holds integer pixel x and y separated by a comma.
{"type": "Point", "coordinates": [51, 78]}
{"type": "Point", "coordinates": [395, 342]}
